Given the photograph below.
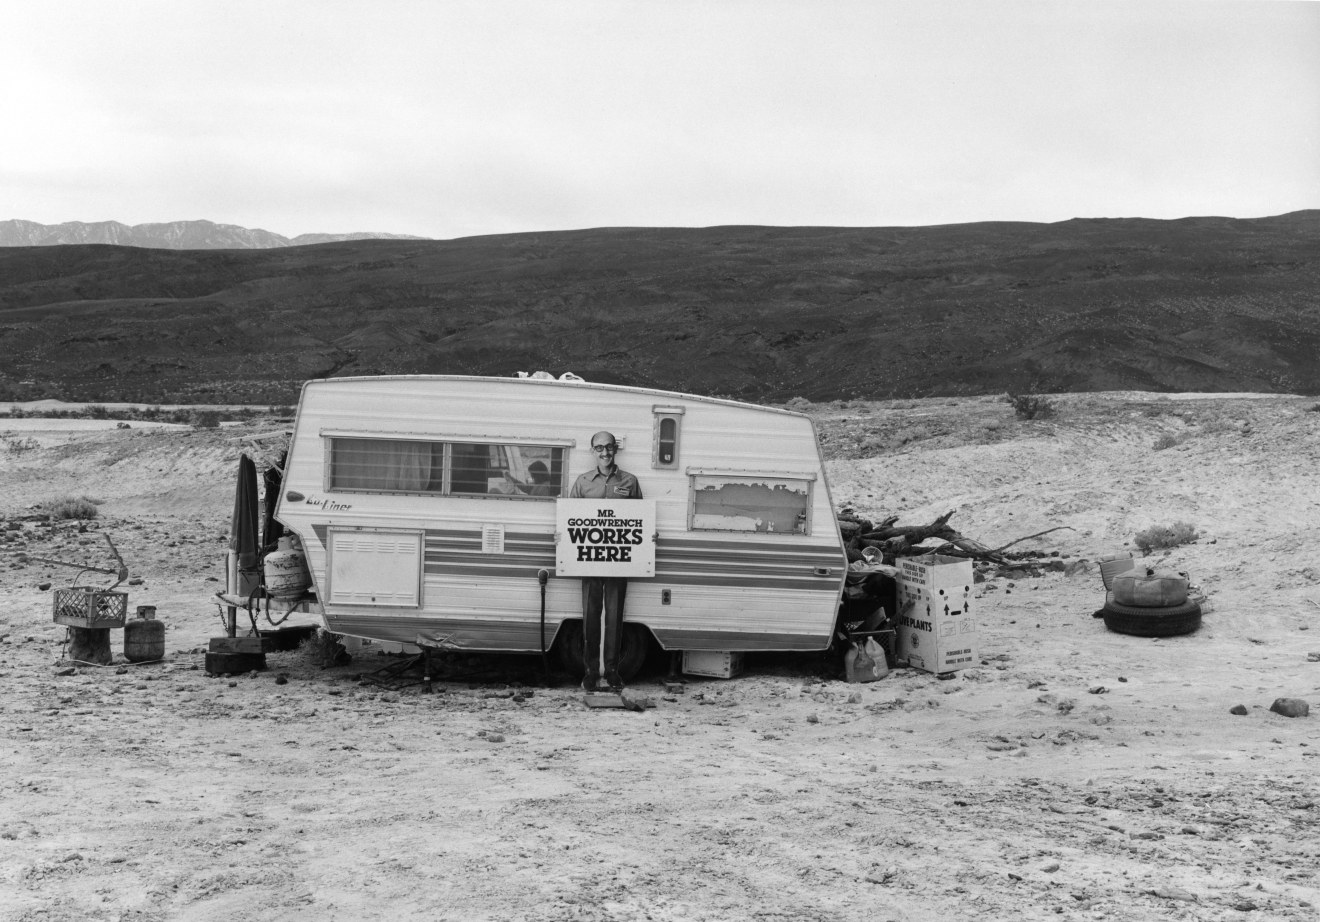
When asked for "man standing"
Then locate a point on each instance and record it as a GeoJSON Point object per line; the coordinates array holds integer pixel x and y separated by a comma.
{"type": "Point", "coordinates": [606, 481]}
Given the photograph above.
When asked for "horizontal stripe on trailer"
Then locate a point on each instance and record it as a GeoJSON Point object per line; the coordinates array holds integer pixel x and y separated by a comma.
{"type": "Point", "coordinates": [476, 564]}
{"type": "Point", "coordinates": [749, 567]}
{"type": "Point", "coordinates": [776, 581]}
{"type": "Point", "coordinates": [473, 539]}
{"type": "Point", "coordinates": [763, 541]}
{"type": "Point", "coordinates": [512, 561]}
{"type": "Point", "coordinates": [761, 545]}
{"type": "Point", "coordinates": [730, 641]}
{"type": "Point", "coordinates": [822, 584]}
{"type": "Point", "coordinates": [749, 550]}
{"type": "Point", "coordinates": [677, 548]}
{"type": "Point", "coordinates": [525, 636]}
{"type": "Point", "coordinates": [449, 633]}
{"type": "Point", "coordinates": [664, 551]}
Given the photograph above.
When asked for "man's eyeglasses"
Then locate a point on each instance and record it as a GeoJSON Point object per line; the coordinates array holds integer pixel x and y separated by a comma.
{"type": "Point", "coordinates": [605, 448]}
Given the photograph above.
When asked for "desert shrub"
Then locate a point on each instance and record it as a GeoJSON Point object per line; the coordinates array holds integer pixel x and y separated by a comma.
{"type": "Point", "coordinates": [96, 411]}
{"type": "Point", "coordinates": [1314, 408]}
{"type": "Point", "coordinates": [324, 650]}
{"type": "Point", "coordinates": [205, 419]}
{"type": "Point", "coordinates": [1030, 406]}
{"type": "Point", "coordinates": [1166, 441]}
{"type": "Point", "coordinates": [70, 507]}
{"type": "Point", "coordinates": [799, 404]}
{"type": "Point", "coordinates": [18, 446]}
{"type": "Point", "coordinates": [1159, 537]}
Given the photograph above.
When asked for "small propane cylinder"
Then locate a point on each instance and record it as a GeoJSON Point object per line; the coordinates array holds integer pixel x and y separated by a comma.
{"type": "Point", "coordinates": [286, 571]}
{"type": "Point", "coordinates": [144, 637]}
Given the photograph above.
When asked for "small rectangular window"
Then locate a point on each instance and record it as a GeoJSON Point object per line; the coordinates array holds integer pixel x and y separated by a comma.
{"type": "Point", "coordinates": [773, 505]}
{"type": "Point", "coordinates": [664, 440]}
{"type": "Point", "coordinates": [370, 465]}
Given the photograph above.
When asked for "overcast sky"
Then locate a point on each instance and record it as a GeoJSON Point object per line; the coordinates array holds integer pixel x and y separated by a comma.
{"type": "Point", "coordinates": [447, 118]}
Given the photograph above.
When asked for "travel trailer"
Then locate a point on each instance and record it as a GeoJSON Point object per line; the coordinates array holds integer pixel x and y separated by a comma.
{"type": "Point", "coordinates": [431, 511]}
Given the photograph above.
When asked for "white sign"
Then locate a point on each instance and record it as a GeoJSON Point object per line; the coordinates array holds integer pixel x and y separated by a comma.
{"type": "Point", "coordinates": [605, 537]}
{"type": "Point", "coordinates": [492, 539]}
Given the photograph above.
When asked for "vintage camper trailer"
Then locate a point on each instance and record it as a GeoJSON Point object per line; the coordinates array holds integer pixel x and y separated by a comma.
{"type": "Point", "coordinates": [428, 509]}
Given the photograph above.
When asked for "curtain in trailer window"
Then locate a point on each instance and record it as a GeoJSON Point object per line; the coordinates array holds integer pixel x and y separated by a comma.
{"type": "Point", "coordinates": [473, 468]}
{"type": "Point", "coordinates": [384, 464]}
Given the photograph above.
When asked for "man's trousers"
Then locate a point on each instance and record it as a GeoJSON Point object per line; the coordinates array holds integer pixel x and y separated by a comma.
{"type": "Point", "coordinates": [602, 614]}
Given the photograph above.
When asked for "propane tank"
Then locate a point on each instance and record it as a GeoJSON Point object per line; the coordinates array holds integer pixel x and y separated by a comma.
{"type": "Point", "coordinates": [144, 638]}
{"type": "Point", "coordinates": [286, 571]}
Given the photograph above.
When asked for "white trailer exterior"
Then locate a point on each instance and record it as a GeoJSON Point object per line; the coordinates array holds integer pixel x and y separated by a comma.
{"type": "Point", "coordinates": [391, 484]}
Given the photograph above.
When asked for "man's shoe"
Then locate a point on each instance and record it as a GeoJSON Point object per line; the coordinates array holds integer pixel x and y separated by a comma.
{"type": "Point", "coordinates": [590, 683]}
{"type": "Point", "coordinates": [615, 682]}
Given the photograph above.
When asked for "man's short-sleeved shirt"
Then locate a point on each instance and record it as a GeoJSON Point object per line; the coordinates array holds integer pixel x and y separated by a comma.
{"type": "Point", "coordinates": [595, 485]}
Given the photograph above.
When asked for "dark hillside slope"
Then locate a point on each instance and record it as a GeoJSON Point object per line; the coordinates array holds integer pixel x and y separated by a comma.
{"type": "Point", "coordinates": [1201, 304]}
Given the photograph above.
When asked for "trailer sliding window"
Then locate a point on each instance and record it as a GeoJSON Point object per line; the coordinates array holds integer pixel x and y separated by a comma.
{"type": "Point", "coordinates": [373, 465]}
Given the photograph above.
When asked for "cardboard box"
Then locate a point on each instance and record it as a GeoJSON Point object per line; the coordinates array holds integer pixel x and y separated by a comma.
{"type": "Point", "coordinates": [715, 664]}
{"type": "Point", "coordinates": [936, 630]}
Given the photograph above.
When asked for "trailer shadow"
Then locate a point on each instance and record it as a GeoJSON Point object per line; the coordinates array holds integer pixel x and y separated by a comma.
{"type": "Point", "coordinates": [399, 671]}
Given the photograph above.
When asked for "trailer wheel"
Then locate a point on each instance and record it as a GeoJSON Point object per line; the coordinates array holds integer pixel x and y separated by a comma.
{"type": "Point", "coordinates": [633, 649]}
{"type": "Point", "coordinates": [1139, 621]}
{"type": "Point", "coordinates": [568, 647]}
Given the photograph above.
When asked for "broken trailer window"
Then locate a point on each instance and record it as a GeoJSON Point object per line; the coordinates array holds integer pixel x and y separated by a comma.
{"type": "Point", "coordinates": [750, 503]}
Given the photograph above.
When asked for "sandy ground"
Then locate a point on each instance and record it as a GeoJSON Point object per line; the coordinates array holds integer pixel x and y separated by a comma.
{"type": "Point", "coordinates": [1074, 773]}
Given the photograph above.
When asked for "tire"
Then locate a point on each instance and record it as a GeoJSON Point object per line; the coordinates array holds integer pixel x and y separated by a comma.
{"type": "Point", "coordinates": [634, 647]}
{"type": "Point", "coordinates": [568, 648]}
{"type": "Point", "coordinates": [1152, 622]}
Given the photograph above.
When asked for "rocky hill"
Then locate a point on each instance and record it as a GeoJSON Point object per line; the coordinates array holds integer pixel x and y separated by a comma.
{"type": "Point", "coordinates": [171, 235]}
{"type": "Point", "coordinates": [761, 313]}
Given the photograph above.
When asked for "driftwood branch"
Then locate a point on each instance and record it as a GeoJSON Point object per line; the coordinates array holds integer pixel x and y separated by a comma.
{"type": "Point", "coordinates": [121, 572]}
{"type": "Point", "coordinates": [915, 534]}
{"type": "Point", "coordinates": [1036, 535]}
{"type": "Point", "coordinates": [905, 540]}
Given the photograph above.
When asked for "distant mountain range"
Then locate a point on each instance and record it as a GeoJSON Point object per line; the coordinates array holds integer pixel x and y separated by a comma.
{"type": "Point", "coordinates": [758, 313]}
{"type": "Point", "coordinates": [172, 235]}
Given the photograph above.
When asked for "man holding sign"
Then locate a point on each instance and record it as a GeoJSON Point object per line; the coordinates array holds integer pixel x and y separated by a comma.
{"type": "Point", "coordinates": [606, 481]}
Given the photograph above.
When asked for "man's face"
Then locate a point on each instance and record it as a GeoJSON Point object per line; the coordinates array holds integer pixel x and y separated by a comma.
{"type": "Point", "coordinates": [604, 453]}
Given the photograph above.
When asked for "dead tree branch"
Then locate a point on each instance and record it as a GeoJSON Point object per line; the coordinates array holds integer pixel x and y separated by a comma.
{"type": "Point", "coordinates": [905, 540]}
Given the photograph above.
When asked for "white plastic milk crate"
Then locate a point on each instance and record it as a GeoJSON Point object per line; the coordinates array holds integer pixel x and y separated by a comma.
{"type": "Point", "coordinates": [714, 664]}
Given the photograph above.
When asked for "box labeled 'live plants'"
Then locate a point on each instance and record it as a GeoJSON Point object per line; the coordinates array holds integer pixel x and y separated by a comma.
{"type": "Point", "coordinates": [936, 631]}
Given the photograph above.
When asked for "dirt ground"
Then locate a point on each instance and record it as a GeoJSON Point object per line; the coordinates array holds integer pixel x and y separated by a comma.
{"type": "Point", "coordinates": [1074, 773]}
